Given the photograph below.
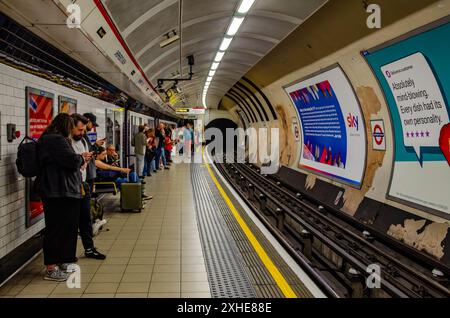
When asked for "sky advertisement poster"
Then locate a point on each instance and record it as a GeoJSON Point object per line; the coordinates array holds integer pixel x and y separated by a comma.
{"type": "Point", "coordinates": [415, 78]}
{"type": "Point", "coordinates": [333, 130]}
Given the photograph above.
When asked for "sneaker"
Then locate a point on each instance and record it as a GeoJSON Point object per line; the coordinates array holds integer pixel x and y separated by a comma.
{"type": "Point", "coordinates": [167, 168]}
{"type": "Point", "coordinates": [68, 267]}
{"type": "Point", "coordinates": [56, 275]}
{"type": "Point", "coordinates": [147, 197]}
{"type": "Point", "coordinates": [97, 226]}
{"type": "Point", "coordinates": [93, 253]}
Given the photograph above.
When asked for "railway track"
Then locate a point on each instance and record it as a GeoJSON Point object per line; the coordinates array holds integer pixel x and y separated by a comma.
{"type": "Point", "coordinates": [340, 253]}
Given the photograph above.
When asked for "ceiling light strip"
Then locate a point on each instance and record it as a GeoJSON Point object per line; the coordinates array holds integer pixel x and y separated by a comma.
{"type": "Point", "coordinates": [233, 28]}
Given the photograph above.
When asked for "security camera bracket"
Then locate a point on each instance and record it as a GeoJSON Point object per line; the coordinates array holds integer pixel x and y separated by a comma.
{"type": "Point", "coordinates": [191, 63]}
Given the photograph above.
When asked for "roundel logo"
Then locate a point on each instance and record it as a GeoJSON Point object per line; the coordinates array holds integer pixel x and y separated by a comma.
{"type": "Point", "coordinates": [297, 132]}
{"type": "Point", "coordinates": [378, 134]}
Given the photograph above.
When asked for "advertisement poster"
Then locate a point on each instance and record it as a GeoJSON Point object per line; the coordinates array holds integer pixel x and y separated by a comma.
{"type": "Point", "coordinates": [67, 105]}
{"type": "Point", "coordinates": [415, 77]}
{"type": "Point", "coordinates": [39, 106]}
{"type": "Point", "coordinates": [332, 125]}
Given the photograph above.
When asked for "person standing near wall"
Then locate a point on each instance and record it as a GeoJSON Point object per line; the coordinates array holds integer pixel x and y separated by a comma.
{"type": "Point", "coordinates": [59, 185]}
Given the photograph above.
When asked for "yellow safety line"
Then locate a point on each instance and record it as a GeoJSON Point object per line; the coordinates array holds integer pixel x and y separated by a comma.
{"type": "Point", "coordinates": [273, 270]}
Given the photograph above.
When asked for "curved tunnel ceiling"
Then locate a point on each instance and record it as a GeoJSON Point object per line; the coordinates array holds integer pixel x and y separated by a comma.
{"type": "Point", "coordinates": [144, 24]}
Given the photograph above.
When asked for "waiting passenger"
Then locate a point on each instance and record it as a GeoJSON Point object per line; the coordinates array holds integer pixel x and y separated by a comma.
{"type": "Point", "coordinates": [139, 142]}
{"type": "Point", "coordinates": [150, 153]}
{"type": "Point", "coordinates": [80, 146]}
{"type": "Point", "coordinates": [59, 185]}
{"type": "Point", "coordinates": [112, 157]}
{"type": "Point", "coordinates": [160, 154]}
{"type": "Point", "coordinates": [106, 172]}
{"type": "Point", "coordinates": [187, 137]}
{"type": "Point", "coordinates": [168, 146]}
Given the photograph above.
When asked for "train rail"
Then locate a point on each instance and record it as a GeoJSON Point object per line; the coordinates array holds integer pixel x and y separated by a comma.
{"type": "Point", "coordinates": [340, 253]}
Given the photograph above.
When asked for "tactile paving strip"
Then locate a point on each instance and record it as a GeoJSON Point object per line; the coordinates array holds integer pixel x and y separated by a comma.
{"type": "Point", "coordinates": [227, 274]}
{"type": "Point", "coordinates": [262, 281]}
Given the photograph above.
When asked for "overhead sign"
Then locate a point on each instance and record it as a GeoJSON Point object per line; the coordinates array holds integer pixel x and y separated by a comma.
{"type": "Point", "coordinates": [414, 75]}
{"type": "Point", "coordinates": [378, 135]}
{"type": "Point", "coordinates": [191, 111]}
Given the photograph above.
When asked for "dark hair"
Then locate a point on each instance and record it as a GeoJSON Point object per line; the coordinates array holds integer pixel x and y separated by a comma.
{"type": "Point", "coordinates": [99, 150]}
{"type": "Point", "coordinates": [79, 118]}
{"type": "Point", "coordinates": [60, 125]}
{"type": "Point", "coordinates": [141, 128]}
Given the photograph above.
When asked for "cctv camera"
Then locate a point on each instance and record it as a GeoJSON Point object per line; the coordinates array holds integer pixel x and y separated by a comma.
{"type": "Point", "coordinates": [191, 60]}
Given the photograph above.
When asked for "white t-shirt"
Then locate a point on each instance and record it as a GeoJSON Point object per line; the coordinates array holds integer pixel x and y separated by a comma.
{"type": "Point", "coordinates": [80, 147]}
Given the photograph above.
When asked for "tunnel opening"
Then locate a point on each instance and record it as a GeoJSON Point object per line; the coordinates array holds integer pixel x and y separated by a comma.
{"type": "Point", "coordinates": [221, 124]}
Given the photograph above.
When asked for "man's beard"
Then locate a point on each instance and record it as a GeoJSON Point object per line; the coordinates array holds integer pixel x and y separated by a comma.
{"type": "Point", "coordinates": [77, 137]}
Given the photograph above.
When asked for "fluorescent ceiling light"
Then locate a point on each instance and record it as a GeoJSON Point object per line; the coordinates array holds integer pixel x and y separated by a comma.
{"type": "Point", "coordinates": [234, 26]}
{"type": "Point", "coordinates": [211, 73]}
{"type": "Point", "coordinates": [225, 43]}
{"type": "Point", "coordinates": [219, 56]}
{"type": "Point", "coordinates": [245, 6]}
{"type": "Point", "coordinates": [208, 79]}
{"type": "Point", "coordinates": [214, 66]}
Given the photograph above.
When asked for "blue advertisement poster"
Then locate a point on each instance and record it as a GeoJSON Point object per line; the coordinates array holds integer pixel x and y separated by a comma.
{"type": "Point", "coordinates": [414, 74]}
{"type": "Point", "coordinates": [325, 140]}
{"type": "Point", "coordinates": [332, 126]}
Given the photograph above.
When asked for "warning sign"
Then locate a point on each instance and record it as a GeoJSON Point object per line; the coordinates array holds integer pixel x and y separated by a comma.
{"type": "Point", "coordinates": [378, 135]}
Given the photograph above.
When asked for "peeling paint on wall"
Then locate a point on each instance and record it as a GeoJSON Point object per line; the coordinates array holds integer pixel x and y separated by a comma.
{"type": "Point", "coordinates": [370, 105]}
{"type": "Point", "coordinates": [429, 240]}
{"type": "Point", "coordinates": [310, 181]}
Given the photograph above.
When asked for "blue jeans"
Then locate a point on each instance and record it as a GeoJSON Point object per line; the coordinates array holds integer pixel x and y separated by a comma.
{"type": "Point", "coordinates": [146, 172]}
{"type": "Point", "coordinates": [160, 155]}
{"type": "Point", "coordinates": [163, 157]}
{"type": "Point", "coordinates": [152, 165]}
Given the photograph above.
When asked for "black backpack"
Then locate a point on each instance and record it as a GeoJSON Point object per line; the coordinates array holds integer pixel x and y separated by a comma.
{"type": "Point", "coordinates": [27, 158]}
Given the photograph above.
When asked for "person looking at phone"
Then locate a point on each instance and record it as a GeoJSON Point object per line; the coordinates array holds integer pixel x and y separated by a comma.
{"type": "Point", "coordinates": [100, 158]}
{"type": "Point", "coordinates": [80, 146]}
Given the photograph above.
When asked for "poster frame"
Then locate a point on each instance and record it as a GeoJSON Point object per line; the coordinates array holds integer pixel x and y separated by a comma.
{"type": "Point", "coordinates": [307, 77]}
{"type": "Point", "coordinates": [364, 54]}
{"type": "Point", "coordinates": [62, 98]}
{"type": "Point", "coordinates": [30, 90]}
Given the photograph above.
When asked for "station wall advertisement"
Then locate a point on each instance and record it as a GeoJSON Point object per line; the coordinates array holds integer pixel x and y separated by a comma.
{"type": "Point", "coordinates": [67, 105]}
{"type": "Point", "coordinates": [39, 105]}
{"type": "Point", "coordinates": [414, 74]}
{"type": "Point", "coordinates": [332, 126]}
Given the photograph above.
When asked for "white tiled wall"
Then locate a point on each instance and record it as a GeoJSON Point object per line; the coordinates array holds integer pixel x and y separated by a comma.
{"type": "Point", "coordinates": [13, 231]}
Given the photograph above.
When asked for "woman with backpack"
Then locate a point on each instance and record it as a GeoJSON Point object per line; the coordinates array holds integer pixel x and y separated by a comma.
{"type": "Point", "coordinates": [59, 184]}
